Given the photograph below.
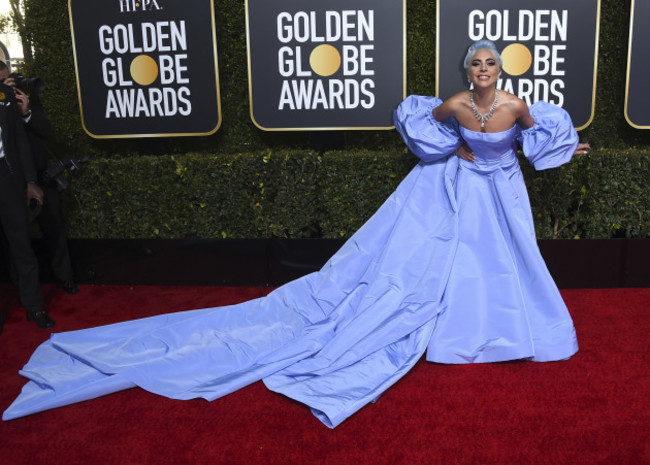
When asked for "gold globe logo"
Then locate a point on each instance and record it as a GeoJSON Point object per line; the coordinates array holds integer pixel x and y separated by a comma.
{"type": "Point", "coordinates": [144, 70]}
{"type": "Point", "coordinates": [325, 60]}
{"type": "Point", "coordinates": [517, 59]}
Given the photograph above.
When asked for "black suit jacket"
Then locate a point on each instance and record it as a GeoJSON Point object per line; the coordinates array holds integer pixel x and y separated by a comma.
{"type": "Point", "coordinates": [38, 129]}
{"type": "Point", "coordinates": [14, 140]}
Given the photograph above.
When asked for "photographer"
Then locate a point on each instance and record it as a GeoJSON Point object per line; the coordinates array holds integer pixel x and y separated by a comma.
{"type": "Point", "coordinates": [17, 187]}
{"type": "Point", "coordinates": [50, 218]}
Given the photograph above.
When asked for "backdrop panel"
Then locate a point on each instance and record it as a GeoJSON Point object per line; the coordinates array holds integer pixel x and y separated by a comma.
{"type": "Point", "coordinates": [146, 67]}
{"type": "Point", "coordinates": [325, 64]}
{"type": "Point", "coordinates": [549, 49]}
{"type": "Point", "coordinates": [637, 99]}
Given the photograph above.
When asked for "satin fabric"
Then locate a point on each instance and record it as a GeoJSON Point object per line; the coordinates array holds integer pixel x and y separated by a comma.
{"type": "Point", "coordinates": [448, 265]}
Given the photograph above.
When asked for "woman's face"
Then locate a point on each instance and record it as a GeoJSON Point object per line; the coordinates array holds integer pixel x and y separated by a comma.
{"type": "Point", "coordinates": [483, 69]}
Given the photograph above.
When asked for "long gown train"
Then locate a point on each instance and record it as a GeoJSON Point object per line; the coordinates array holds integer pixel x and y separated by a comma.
{"type": "Point", "coordinates": [448, 265]}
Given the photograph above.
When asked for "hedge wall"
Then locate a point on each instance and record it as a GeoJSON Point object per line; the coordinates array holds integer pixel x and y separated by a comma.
{"type": "Point", "coordinates": [306, 194]}
{"type": "Point", "coordinates": [243, 182]}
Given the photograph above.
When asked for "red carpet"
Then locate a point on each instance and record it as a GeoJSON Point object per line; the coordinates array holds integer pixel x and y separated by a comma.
{"type": "Point", "coordinates": [592, 409]}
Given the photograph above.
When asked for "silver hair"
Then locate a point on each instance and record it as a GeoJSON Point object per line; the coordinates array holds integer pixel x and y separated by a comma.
{"type": "Point", "coordinates": [480, 45]}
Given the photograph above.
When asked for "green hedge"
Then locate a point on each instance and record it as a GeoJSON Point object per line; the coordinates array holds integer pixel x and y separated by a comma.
{"type": "Point", "coordinates": [298, 194]}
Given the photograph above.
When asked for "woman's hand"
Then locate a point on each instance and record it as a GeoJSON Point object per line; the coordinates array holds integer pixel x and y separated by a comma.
{"type": "Point", "coordinates": [465, 153]}
{"type": "Point", "coordinates": [582, 149]}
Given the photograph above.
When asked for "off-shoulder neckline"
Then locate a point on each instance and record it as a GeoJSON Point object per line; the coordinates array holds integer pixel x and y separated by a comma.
{"type": "Point", "coordinates": [497, 132]}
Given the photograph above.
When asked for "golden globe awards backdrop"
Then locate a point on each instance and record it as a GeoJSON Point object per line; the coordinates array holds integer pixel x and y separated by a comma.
{"type": "Point", "coordinates": [146, 67]}
{"type": "Point", "coordinates": [637, 99]}
{"type": "Point", "coordinates": [325, 64]}
{"type": "Point", "coordinates": [549, 49]}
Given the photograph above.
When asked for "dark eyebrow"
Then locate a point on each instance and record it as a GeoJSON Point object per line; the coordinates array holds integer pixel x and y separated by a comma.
{"type": "Point", "coordinates": [488, 60]}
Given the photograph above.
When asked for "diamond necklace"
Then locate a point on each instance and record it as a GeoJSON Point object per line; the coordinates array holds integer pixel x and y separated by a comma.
{"type": "Point", "coordinates": [488, 115]}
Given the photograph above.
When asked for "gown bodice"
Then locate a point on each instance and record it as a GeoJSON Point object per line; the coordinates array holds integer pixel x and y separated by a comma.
{"type": "Point", "coordinates": [549, 143]}
{"type": "Point", "coordinates": [492, 148]}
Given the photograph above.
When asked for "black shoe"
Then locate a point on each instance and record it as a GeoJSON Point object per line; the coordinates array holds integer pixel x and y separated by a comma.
{"type": "Point", "coordinates": [69, 287]}
{"type": "Point", "coordinates": [42, 319]}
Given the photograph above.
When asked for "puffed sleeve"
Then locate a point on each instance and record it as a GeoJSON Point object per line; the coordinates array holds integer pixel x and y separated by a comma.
{"type": "Point", "coordinates": [552, 140]}
{"type": "Point", "coordinates": [426, 137]}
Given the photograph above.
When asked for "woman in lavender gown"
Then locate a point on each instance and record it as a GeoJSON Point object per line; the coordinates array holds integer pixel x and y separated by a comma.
{"type": "Point", "coordinates": [448, 265]}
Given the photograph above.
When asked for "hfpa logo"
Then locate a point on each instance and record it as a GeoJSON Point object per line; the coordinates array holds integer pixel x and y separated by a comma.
{"type": "Point", "coordinates": [128, 6]}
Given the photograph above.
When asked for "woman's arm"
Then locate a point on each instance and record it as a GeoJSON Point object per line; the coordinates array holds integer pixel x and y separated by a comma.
{"type": "Point", "coordinates": [524, 118]}
{"type": "Point", "coordinates": [446, 109]}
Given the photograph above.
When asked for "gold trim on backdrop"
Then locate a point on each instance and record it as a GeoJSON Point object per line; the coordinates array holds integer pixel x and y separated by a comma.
{"type": "Point", "coordinates": [248, 63]}
{"type": "Point", "coordinates": [629, 64]}
{"type": "Point", "coordinates": [320, 128]}
{"type": "Point", "coordinates": [593, 96]}
{"type": "Point", "coordinates": [138, 136]}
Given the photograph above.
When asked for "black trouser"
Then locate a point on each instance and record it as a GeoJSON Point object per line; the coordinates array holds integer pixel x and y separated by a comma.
{"type": "Point", "coordinates": [13, 217]}
{"type": "Point", "coordinates": [52, 226]}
